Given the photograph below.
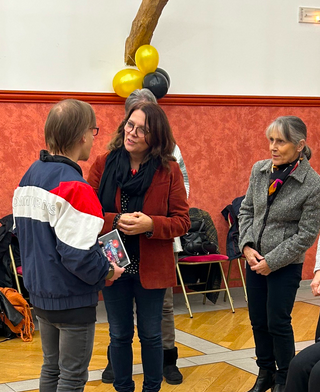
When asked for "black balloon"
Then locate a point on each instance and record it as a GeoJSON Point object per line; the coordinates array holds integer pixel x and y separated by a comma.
{"type": "Point", "coordinates": [156, 83]}
{"type": "Point", "coordinates": [164, 73]}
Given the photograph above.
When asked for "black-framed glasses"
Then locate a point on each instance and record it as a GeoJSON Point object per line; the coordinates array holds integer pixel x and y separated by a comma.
{"type": "Point", "coordinates": [139, 131]}
{"type": "Point", "coordinates": [95, 131]}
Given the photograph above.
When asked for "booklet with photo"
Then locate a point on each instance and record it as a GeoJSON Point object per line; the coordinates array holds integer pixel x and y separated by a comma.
{"type": "Point", "coordinates": [114, 249]}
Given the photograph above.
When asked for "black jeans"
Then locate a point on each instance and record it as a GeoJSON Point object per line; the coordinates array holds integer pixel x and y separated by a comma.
{"type": "Point", "coordinates": [119, 299]}
{"type": "Point", "coordinates": [304, 371]}
{"type": "Point", "coordinates": [270, 301]}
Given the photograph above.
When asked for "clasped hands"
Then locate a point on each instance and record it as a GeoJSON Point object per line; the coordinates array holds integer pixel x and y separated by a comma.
{"type": "Point", "coordinates": [256, 262]}
{"type": "Point", "coordinates": [134, 223]}
{"type": "Point", "coordinates": [315, 284]}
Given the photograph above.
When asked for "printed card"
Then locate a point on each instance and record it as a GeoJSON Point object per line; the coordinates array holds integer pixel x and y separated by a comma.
{"type": "Point", "coordinates": [114, 249]}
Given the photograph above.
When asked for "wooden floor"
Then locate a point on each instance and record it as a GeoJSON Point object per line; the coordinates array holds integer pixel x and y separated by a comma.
{"type": "Point", "coordinates": [217, 354]}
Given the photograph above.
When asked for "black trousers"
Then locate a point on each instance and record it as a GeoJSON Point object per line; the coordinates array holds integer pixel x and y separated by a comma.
{"type": "Point", "coordinates": [304, 371]}
{"type": "Point", "coordinates": [270, 301]}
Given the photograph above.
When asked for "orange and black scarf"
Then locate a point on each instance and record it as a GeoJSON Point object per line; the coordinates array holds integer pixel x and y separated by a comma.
{"type": "Point", "coordinates": [278, 176]}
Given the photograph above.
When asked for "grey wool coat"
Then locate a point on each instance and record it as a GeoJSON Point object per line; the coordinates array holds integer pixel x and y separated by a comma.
{"type": "Point", "coordinates": [293, 222]}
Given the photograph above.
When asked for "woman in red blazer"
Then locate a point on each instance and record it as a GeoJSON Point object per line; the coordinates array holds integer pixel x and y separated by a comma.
{"type": "Point", "coordinates": [141, 189]}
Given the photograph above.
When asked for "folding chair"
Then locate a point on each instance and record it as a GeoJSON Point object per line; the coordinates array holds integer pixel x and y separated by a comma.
{"type": "Point", "coordinates": [199, 260]}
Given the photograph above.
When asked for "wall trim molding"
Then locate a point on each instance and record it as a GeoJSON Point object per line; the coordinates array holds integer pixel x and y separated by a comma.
{"type": "Point", "coordinates": [15, 96]}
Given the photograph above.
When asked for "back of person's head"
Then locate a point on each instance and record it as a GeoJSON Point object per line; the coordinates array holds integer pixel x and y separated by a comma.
{"type": "Point", "coordinates": [160, 137]}
{"type": "Point", "coordinates": [66, 123]}
{"type": "Point", "coordinates": [292, 129]}
{"type": "Point", "coordinates": [143, 95]}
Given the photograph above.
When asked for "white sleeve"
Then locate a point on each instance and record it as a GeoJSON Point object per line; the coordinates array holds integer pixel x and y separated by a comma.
{"type": "Point", "coordinates": [177, 154]}
{"type": "Point", "coordinates": [317, 266]}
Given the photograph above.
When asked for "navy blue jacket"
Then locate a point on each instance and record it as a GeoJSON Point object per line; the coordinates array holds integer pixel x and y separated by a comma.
{"type": "Point", "coordinates": [58, 218]}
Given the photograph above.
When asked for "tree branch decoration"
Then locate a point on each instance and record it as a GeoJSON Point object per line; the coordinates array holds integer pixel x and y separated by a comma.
{"type": "Point", "coordinates": [143, 27]}
{"type": "Point", "coordinates": [145, 58]}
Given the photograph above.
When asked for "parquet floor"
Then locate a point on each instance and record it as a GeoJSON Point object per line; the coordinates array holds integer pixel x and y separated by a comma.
{"type": "Point", "coordinates": [216, 348]}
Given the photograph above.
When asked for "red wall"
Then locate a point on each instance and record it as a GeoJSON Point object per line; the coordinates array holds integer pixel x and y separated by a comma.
{"type": "Point", "coordinates": [219, 143]}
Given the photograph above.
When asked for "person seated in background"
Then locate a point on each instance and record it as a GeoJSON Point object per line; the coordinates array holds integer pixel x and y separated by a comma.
{"type": "Point", "coordinates": [304, 369]}
{"type": "Point", "coordinates": [141, 189]}
{"type": "Point", "coordinates": [171, 372]}
{"type": "Point", "coordinates": [63, 266]}
{"type": "Point", "coordinates": [279, 221]}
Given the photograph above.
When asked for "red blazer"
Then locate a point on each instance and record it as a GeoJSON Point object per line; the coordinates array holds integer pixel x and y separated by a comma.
{"type": "Point", "coordinates": [166, 203]}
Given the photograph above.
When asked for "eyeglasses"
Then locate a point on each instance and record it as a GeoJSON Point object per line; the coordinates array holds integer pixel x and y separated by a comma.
{"type": "Point", "coordinates": [139, 131]}
{"type": "Point", "coordinates": [95, 131]}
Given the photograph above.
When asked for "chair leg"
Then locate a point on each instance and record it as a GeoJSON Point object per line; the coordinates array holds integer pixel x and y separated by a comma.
{"type": "Point", "coordinates": [227, 288]}
{"type": "Point", "coordinates": [243, 281]}
{"type": "Point", "coordinates": [206, 288]}
{"type": "Point", "coordinates": [14, 270]}
{"type": "Point", "coordinates": [184, 291]}
{"type": "Point", "coordinates": [228, 278]}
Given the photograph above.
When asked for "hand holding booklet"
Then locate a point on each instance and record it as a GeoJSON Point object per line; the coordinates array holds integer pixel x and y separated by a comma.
{"type": "Point", "coordinates": [114, 249]}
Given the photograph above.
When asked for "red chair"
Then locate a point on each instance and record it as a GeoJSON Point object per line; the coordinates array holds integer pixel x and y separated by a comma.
{"type": "Point", "coordinates": [196, 261]}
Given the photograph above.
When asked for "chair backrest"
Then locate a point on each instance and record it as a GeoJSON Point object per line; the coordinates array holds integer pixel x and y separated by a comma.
{"type": "Point", "coordinates": [230, 213]}
{"type": "Point", "coordinates": [230, 219]}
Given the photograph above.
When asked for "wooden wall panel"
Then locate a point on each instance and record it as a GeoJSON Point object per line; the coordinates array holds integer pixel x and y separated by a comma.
{"type": "Point", "coordinates": [220, 139]}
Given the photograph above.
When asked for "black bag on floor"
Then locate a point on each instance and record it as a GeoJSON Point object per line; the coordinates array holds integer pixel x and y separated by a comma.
{"type": "Point", "coordinates": [5, 332]}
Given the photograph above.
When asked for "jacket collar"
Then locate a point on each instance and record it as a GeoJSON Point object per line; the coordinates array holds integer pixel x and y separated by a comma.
{"type": "Point", "coordinates": [46, 157]}
{"type": "Point", "coordinates": [299, 174]}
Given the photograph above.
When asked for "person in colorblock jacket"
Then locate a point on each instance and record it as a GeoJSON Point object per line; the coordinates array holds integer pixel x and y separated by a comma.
{"type": "Point", "coordinates": [58, 218]}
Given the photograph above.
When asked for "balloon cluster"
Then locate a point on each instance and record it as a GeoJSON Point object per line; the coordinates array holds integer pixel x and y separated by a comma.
{"type": "Point", "coordinates": [148, 75]}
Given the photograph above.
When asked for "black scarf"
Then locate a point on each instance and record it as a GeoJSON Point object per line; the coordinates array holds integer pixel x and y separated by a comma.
{"type": "Point", "coordinates": [117, 173]}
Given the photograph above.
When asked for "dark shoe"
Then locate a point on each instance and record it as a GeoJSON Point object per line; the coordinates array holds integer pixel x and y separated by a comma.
{"type": "Point", "coordinates": [171, 372]}
{"type": "Point", "coordinates": [264, 381]}
{"type": "Point", "coordinates": [279, 388]}
{"type": "Point", "coordinates": [107, 374]}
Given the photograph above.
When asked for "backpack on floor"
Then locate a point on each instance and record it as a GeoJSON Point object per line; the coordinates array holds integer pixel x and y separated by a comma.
{"type": "Point", "coordinates": [25, 327]}
{"type": "Point", "coordinates": [196, 241]}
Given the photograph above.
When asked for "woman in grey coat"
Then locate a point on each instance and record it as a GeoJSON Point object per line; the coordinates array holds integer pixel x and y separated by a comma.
{"type": "Point", "coordinates": [279, 220]}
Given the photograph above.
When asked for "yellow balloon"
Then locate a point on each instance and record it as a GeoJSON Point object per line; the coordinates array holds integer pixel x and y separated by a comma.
{"type": "Point", "coordinates": [147, 58]}
{"type": "Point", "coordinates": [126, 81]}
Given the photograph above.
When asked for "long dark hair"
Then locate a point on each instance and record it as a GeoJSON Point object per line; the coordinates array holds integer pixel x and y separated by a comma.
{"type": "Point", "coordinates": [160, 138]}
